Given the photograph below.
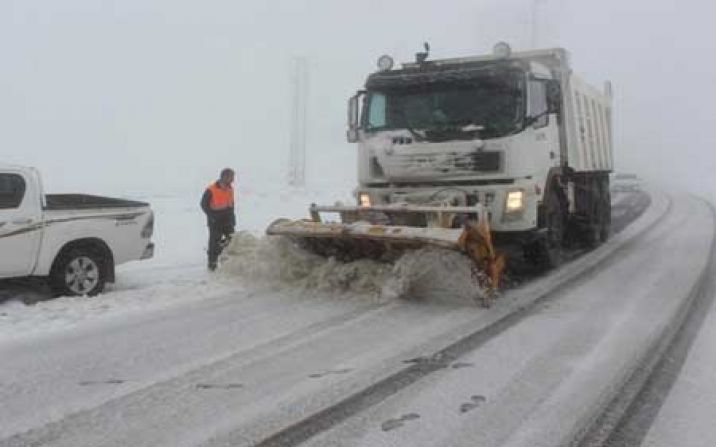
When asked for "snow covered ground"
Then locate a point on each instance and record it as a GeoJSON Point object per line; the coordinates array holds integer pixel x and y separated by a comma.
{"type": "Point", "coordinates": [540, 382]}
{"type": "Point", "coordinates": [176, 274]}
{"type": "Point", "coordinates": [686, 417]}
{"type": "Point", "coordinates": [234, 368]}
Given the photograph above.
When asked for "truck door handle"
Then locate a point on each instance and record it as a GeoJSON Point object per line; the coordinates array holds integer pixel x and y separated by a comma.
{"type": "Point", "coordinates": [22, 221]}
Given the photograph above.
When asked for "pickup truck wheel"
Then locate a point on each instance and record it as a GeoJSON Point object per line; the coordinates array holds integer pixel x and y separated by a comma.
{"type": "Point", "coordinates": [78, 272]}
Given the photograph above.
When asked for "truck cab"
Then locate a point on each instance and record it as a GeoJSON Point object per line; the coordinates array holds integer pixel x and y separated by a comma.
{"type": "Point", "coordinates": [511, 131]}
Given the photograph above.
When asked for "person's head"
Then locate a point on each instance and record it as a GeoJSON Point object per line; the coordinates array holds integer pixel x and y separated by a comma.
{"type": "Point", "coordinates": [227, 176]}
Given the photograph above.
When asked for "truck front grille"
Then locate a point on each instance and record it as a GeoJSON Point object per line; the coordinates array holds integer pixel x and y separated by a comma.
{"type": "Point", "coordinates": [445, 163]}
{"type": "Point", "coordinates": [479, 161]}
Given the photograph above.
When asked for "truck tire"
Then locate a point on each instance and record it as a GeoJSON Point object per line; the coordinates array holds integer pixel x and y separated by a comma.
{"type": "Point", "coordinates": [556, 230]}
{"type": "Point", "coordinates": [606, 227]}
{"type": "Point", "coordinates": [78, 272]}
{"type": "Point", "coordinates": [547, 252]}
{"type": "Point", "coordinates": [594, 227]}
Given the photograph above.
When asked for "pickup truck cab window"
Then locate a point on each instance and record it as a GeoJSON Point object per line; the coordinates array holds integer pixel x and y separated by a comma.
{"type": "Point", "coordinates": [12, 191]}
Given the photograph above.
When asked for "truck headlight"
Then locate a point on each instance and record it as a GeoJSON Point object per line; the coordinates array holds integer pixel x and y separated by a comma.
{"type": "Point", "coordinates": [515, 201]}
{"type": "Point", "coordinates": [364, 199]}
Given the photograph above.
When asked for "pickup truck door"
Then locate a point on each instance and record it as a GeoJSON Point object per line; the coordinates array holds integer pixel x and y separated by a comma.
{"type": "Point", "coordinates": [20, 223]}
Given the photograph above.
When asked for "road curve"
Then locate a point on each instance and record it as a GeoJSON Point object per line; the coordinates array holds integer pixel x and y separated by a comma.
{"type": "Point", "coordinates": [544, 381]}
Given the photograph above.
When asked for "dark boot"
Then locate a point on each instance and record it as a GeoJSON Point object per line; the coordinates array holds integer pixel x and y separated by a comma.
{"type": "Point", "coordinates": [214, 247]}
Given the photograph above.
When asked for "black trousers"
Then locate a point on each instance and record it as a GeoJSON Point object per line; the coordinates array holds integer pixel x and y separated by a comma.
{"type": "Point", "coordinates": [219, 235]}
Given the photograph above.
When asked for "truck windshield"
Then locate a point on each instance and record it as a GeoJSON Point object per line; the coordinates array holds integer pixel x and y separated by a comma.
{"type": "Point", "coordinates": [493, 104]}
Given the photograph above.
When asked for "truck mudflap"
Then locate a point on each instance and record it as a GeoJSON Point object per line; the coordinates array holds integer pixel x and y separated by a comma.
{"type": "Point", "coordinates": [361, 238]}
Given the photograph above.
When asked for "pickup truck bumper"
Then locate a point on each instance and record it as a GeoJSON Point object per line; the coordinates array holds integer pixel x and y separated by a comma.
{"type": "Point", "coordinates": [148, 252]}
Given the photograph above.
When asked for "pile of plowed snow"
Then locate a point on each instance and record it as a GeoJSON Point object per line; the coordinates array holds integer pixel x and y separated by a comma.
{"type": "Point", "coordinates": [428, 274]}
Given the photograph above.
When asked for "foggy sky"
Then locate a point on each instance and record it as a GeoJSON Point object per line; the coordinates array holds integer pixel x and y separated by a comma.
{"type": "Point", "coordinates": [156, 95]}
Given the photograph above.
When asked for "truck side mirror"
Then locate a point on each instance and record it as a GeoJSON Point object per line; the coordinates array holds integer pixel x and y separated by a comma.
{"type": "Point", "coordinates": [352, 135]}
{"type": "Point", "coordinates": [554, 96]}
{"type": "Point", "coordinates": [353, 118]}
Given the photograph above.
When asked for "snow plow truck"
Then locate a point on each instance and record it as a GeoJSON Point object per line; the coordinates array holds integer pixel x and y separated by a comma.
{"type": "Point", "coordinates": [510, 149]}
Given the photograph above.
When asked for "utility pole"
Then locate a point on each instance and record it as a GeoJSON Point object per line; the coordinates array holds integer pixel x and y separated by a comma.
{"type": "Point", "coordinates": [299, 105]}
{"type": "Point", "coordinates": [535, 22]}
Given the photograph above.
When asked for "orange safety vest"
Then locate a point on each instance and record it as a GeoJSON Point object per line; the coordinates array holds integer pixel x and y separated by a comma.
{"type": "Point", "coordinates": [221, 198]}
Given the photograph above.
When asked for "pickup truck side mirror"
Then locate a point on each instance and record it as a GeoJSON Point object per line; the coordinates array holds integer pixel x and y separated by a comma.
{"type": "Point", "coordinates": [353, 117]}
{"type": "Point", "coordinates": [554, 96]}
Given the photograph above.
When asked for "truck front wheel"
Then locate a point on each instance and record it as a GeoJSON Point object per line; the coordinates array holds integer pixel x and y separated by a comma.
{"type": "Point", "coordinates": [78, 272]}
{"type": "Point", "coordinates": [547, 252]}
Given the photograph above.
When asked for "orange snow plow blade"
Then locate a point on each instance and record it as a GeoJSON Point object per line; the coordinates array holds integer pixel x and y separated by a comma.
{"type": "Point", "coordinates": [359, 238]}
{"type": "Point", "coordinates": [476, 242]}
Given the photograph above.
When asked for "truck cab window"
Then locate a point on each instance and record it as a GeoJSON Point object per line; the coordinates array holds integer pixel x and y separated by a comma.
{"type": "Point", "coordinates": [12, 191]}
{"type": "Point", "coordinates": [492, 101]}
{"type": "Point", "coordinates": [538, 102]}
{"type": "Point", "coordinates": [376, 111]}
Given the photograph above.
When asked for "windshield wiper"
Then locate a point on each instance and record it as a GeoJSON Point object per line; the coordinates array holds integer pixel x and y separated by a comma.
{"type": "Point", "coordinates": [414, 133]}
{"type": "Point", "coordinates": [472, 127]}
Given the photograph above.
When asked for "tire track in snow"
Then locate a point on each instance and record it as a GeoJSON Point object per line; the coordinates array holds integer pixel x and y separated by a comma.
{"type": "Point", "coordinates": [319, 422]}
{"type": "Point", "coordinates": [627, 419]}
{"type": "Point", "coordinates": [429, 364]}
{"type": "Point", "coordinates": [193, 377]}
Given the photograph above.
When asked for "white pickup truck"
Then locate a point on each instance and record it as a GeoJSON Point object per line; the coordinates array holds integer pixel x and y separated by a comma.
{"type": "Point", "coordinates": [73, 240]}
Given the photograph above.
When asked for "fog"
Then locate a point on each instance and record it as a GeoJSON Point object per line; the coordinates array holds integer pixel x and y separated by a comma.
{"type": "Point", "coordinates": [157, 95]}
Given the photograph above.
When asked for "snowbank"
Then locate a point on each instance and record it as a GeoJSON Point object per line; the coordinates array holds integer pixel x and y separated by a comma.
{"type": "Point", "coordinates": [427, 274]}
{"type": "Point", "coordinates": [177, 275]}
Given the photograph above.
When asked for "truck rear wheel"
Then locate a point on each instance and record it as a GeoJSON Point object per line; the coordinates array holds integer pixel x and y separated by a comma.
{"type": "Point", "coordinates": [606, 227]}
{"type": "Point", "coordinates": [594, 215]}
{"type": "Point", "coordinates": [78, 272]}
{"type": "Point", "coordinates": [596, 224]}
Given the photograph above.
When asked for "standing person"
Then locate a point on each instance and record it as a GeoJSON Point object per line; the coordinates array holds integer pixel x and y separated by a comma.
{"type": "Point", "coordinates": [218, 205]}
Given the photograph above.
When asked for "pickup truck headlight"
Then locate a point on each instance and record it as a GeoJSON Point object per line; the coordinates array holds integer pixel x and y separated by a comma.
{"type": "Point", "coordinates": [515, 201]}
{"type": "Point", "coordinates": [364, 199]}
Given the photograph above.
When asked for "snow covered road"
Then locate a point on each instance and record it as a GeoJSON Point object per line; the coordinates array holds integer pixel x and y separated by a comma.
{"type": "Point", "coordinates": [252, 366]}
{"type": "Point", "coordinates": [544, 380]}
{"type": "Point", "coordinates": [686, 416]}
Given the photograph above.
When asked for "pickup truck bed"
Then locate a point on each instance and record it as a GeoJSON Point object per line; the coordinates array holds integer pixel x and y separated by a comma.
{"type": "Point", "coordinates": [66, 202]}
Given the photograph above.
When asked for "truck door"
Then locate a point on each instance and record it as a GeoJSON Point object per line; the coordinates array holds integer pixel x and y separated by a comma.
{"type": "Point", "coordinates": [20, 224]}
{"type": "Point", "coordinates": [544, 128]}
